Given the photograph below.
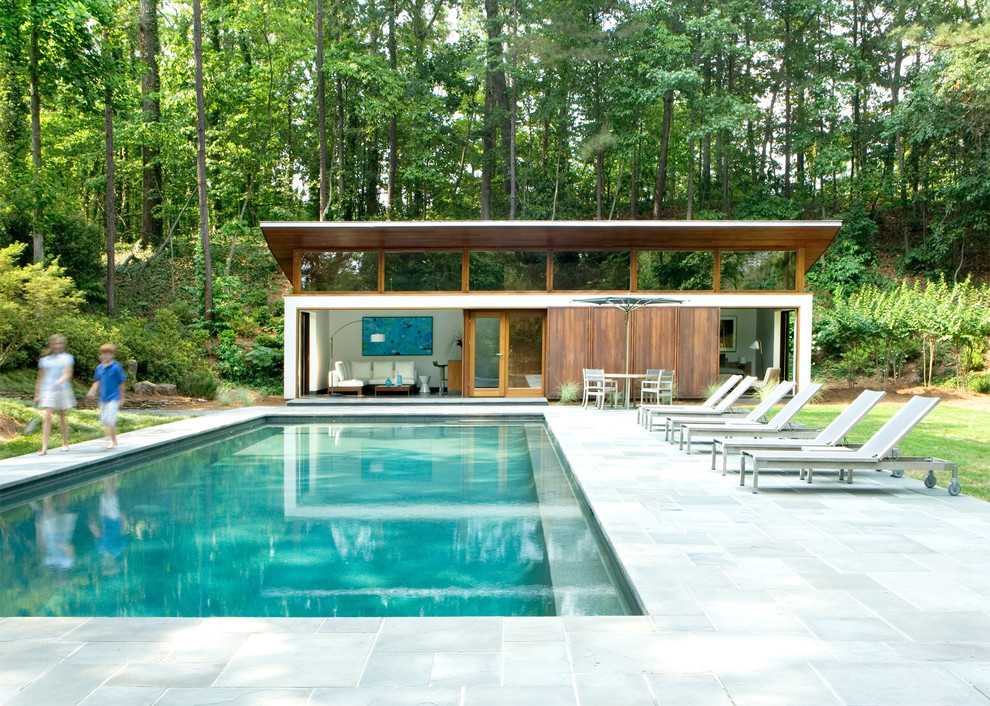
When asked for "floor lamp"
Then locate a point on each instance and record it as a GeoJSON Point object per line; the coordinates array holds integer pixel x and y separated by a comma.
{"type": "Point", "coordinates": [375, 338]}
{"type": "Point", "coordinates": [756, 347]}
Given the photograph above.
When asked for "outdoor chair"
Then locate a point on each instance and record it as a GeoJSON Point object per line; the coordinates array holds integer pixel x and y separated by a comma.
{"type": "Point", "coordinates": [698, 413]}
{"type": "Point", "coordinates": [666, 394]}
{"type": "Point", "coordinates": [758, 415]}
{"type": "Point", "coordinates": [876, 454]}
{"type": "Point", "coordinates": [770, 377]}
{"type": "Point", "coordinates": [732, 427]}
{"type": "Point", "coordinates": [644, 411]}
{"type": "Point", "coordinates": [650, 386]}
{"type": "Point", "coordinates": [597, 386]}
{"type": "Point", "coordinates": [831, 435]}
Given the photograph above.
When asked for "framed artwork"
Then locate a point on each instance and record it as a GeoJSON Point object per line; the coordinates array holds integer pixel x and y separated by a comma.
{"type": "Point", "coordinates": [404, 335]}
{"type": "Point", "coordinates": [727, 334]}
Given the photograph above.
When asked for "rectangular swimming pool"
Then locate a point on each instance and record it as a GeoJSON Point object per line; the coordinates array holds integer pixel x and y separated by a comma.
{"type": "Point", "coordinates": [307, 520]}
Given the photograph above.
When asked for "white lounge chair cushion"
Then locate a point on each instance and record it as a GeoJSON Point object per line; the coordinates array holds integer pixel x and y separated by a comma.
{"type": "Point", "coordinates": [407, 369]}
{"type": "Point", "coordinates": [381, 370]}
{"type": "Point", "coordinates": [361, 370]}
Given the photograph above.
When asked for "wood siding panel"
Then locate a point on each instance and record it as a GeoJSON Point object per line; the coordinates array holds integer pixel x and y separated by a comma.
{"type": "Point", "coordinates": [654, 339]}
{"type": "Point", "coordinates": [608, 340]}
{"type": "Point", "coordinates": [568, 346]}
{"type": "Point", "coordinates": [697, 350]}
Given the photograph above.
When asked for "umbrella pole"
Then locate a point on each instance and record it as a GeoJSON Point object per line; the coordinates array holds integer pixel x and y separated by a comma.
{"type": "Point", "coordinates": [626, 400]}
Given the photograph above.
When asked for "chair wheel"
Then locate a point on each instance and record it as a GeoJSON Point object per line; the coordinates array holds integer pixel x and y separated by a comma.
{"type": "Point", "coordinates": [930, 480]}
{"type": "Point", "coordinates": [954, 487]}
{"type": "Point", "coordinates": [897, 474]}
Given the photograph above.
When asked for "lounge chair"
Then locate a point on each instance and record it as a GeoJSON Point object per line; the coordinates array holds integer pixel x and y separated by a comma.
{"type": "Point", "coordinates": [877, 454]}
{"type": "Point", "coordinates": [644, 411]}
{"type": "Point", "coordinates": [831, 435]}
{"type": "Point", "coordinates": [722, 410]}
{"type": "Point", "coordinates": [782, 421]}
{"type": "Point", "coordinates": [770, 377]}
{"type": "Point", "coordinates": [758, 415]}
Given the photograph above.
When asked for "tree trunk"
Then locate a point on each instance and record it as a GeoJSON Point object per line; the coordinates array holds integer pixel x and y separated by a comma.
{"type": "Point", "coordinates": [204, 214]}
{"type": "Point", "coordinates": [392, 189]}
{"type": "Point", "coordinates": [151, 179]}
{"type": "Point", "coordinates": [725, 137]}
{"type": "Point", "coordinates": [513, 186]}
{"type": "Point", "coordinates": [895, 90]}
{"type": "Point", "coordinates": [37, 235]}
{"type": "Point", "coordinates": [321, 113]}
{"type": "Point", "coordinates": [495, 97]}
{"type": "Point", "coordinates": [599, 152]}
{"type": "Point", "coordinates": [111, 200]}
{"type": "Point", "coordinates": [633, 201]}
{"type": "Point", "coordinates": [690, 178]}
{"type": "Point", "coordinates": [341, 157]}
{"type": "Point", "coordinates": [787, 141]}
{"type": "Point", "coordinates": [661, 186]}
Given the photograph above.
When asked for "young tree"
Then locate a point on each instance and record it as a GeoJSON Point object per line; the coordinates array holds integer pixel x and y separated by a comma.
{"type": "Point", "coordinates": [151, 173]}
{"type": "Point", "coordinates": [204, 214]}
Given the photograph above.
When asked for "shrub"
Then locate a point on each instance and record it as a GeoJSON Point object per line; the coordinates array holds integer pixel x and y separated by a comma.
{"type": "Point", "coordinates": [199, 383]}
{"type": "Point", "coordinates": [568, 391]}
{"type": "Point", "coordinates": [163, 347]}
{"type": "Point", "coordinates": [30, 297]}
{"type": "Point", "coordinates": [980, 383]}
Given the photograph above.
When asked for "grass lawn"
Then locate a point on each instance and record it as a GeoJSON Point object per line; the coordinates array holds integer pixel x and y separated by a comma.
{"type": "Point", "coordinates": [84, 424]}
{"type": "Point", "coordinates": [953, 433]}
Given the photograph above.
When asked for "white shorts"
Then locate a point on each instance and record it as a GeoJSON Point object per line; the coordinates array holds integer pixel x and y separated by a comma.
{"type": "Point", "coordinates": [57, 399]}
{"type": "Point", "coordinates": [108, 413]}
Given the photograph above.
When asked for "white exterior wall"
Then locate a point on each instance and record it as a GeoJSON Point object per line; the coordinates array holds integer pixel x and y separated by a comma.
{"type": "Point", "coordinates": [330, 311]}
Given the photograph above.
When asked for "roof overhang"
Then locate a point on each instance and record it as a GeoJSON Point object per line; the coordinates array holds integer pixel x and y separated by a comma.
{"type": "Point", "coordinates": [285, 237]}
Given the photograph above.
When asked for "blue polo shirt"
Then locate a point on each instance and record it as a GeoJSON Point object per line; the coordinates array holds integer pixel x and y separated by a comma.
{"type": "Point", "coordinates": [110, 376]}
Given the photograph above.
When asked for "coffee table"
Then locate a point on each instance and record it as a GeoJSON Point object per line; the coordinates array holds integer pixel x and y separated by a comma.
{"type": "Point", "coordinates": [393, 388]}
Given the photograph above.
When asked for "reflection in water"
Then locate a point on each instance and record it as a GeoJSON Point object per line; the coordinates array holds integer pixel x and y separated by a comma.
{"type": "Point", "coordinates": [350, 520]}
{"type": "Point", "coordinates": [55, 526]}
{"type": "Point", "coordinates": [108, 528]}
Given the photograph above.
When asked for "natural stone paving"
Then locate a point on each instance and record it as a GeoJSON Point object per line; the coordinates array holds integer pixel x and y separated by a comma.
{"type": "Point", "coordinates": [875, 593]}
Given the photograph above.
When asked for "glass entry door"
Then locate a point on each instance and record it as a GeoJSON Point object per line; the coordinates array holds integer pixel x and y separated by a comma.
{"type": "Point", "coordinates": [505, 353]}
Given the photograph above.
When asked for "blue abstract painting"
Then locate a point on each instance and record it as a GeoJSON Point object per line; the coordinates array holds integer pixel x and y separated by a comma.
{"type": "Point", "coordinates": [404, 335]}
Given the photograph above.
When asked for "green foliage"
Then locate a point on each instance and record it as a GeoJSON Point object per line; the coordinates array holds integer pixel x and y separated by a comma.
{"type": "Point", "coordinates": [766, 207]}
{"type": "Point", "coordinates": [887, 326]}
{"type": "Point", "coordinates": [980, 383]}
{"type": "Point", "coordinates": [30, 297]}
{"type": "Point", "coordinates": [199, 383]}
{"type": "Point", "coordinates": [850, 262]}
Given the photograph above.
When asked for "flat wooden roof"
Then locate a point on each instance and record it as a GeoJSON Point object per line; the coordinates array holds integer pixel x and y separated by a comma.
{"type": "Point", "coordinates": [285, 237]}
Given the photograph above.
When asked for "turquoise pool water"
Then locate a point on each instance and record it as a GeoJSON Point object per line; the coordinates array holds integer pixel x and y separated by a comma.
{"type": "Point", "coordinates": [350, 519]}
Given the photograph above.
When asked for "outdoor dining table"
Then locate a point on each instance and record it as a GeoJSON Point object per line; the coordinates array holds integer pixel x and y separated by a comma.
{"type": "Point", "coordinates": [628, 377]}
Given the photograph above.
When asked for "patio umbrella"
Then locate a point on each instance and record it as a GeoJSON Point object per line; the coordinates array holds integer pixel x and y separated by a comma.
{"type": "Point", "coordinates": [628, 303]}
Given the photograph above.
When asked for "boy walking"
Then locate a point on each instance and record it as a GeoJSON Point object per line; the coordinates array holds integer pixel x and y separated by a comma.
{"type": "Point", "coordinates": [109, 378]}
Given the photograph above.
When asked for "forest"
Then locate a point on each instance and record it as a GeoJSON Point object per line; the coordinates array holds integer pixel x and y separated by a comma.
{"type": "Point", "coordinates": [142, 142]}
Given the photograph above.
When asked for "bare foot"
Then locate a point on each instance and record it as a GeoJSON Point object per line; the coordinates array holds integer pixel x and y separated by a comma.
{"type": "Point", "coordinates": [43, 452]}
{"type": "Point", "coordinates": [64, 449]}
{"type": "Point", "coordinates": [111, 446]}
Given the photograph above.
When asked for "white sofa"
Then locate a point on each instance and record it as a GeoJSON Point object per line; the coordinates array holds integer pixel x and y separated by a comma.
{"type": "Point", "coordinates": [373, 372]}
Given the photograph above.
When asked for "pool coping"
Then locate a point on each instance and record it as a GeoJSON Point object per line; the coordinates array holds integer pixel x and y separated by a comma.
{"type": "Point", "coordinates": [815, 595]}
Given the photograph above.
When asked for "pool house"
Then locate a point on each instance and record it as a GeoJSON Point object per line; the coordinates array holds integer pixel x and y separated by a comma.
{"type": "Point", "coordinates": [492, 308]}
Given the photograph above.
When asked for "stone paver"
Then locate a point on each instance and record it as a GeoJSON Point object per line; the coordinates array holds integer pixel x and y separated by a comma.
{"type": "Point", "coordinates": [876, 593]}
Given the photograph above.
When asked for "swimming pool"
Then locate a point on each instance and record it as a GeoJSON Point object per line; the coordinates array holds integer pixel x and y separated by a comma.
{"type": "Point", "coordinates": [304, 520]}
